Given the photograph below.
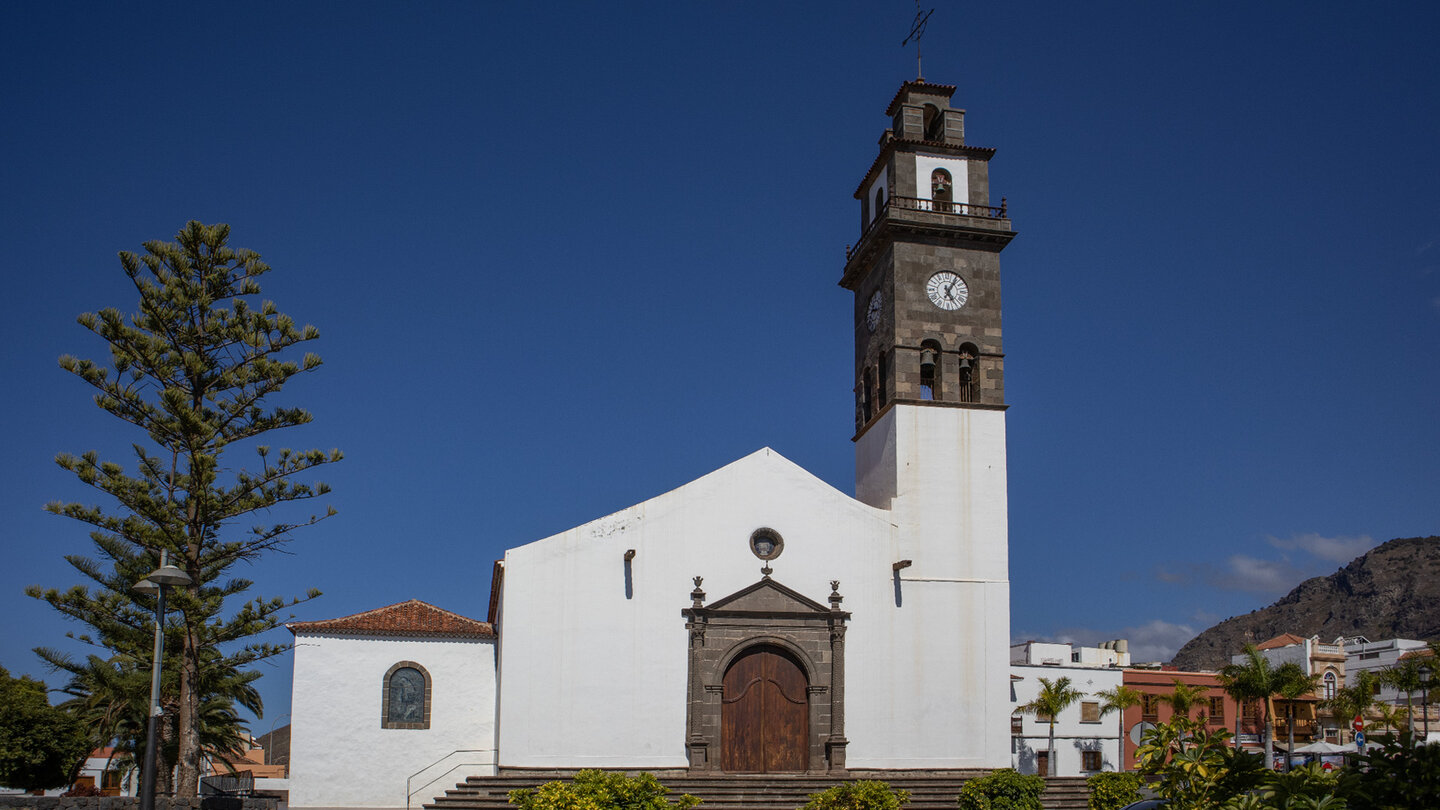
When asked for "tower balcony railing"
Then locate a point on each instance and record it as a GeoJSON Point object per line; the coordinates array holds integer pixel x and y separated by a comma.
{"type": "Point", "coordinates": [954, 212]}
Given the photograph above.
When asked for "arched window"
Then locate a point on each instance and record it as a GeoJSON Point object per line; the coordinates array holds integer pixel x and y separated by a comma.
{"type": "Point", "coordinates": [1329, 685]}
{"type": "Point", "coordinates": [942, 190]}
{"type": "Point", "coordinates": [879, 203]}
{"type": "Point", "coordinates": [405, 697]}
{"type": "Point", "coordinates": [880, 382]}
{"type": "Point", "coordinates": [930, 370]}
{"type": "Point", "coordinates": [867, 397]}
{"type": "Point", "coordinates": [969, 382]}
{"type": "Point", "coordinates": [934, 123]}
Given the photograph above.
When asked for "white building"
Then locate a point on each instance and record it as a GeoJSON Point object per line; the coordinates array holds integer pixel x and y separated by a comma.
{"type": "Point", "coordinates": [389, 703]}
{"type": "Point", "coordinates": [1085, 742]}
{"type": "Point", "coordinates": [756, 619]}
{"type": "Point", "coordinates": [1362, 654]}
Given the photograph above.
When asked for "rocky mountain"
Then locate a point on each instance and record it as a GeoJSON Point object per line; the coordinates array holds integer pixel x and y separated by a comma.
{"type": "Point", "coordinates": [1393, 591]}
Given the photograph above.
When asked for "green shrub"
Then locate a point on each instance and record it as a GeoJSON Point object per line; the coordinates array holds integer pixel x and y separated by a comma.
{"type": "Point", "coordinates": [1002, 790]}
{"type": "Point", "coordinates": [1111, 790]}
{"type": "Point", "coordinates": [601, 790]}
{"type": "Point", "coordinates": [1398, 774]}
{"type": "Point", "coordinates": [858, 796]}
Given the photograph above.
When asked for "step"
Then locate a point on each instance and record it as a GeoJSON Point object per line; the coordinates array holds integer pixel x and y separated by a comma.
{"type": "Point", "coordinates": [761, 791]}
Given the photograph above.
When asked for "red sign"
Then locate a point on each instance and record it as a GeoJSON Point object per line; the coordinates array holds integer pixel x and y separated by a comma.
{"type": "Point", "coordinates": [1358, 724]}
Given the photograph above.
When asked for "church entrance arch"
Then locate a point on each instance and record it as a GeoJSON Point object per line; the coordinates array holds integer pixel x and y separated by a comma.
{"type": "Point", "coordinates": [766, 681]}
{"type": "Point", "coordinates": [765, 714]}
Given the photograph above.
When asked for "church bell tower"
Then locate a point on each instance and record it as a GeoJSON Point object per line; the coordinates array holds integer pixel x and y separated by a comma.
{"type": "Point", "coordinates": [930, 412]}
{"type": "Point", "coordinates": [926, 271]}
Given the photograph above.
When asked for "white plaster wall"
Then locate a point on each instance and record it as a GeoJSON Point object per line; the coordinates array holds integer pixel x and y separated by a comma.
{"type": "Point", "coordinates": [959, 172]}
{"type": "Point", "coordinates": [1390, 651]}
{"type": "Point", "coordinates": [606, 666]}
{"type": "Point", "coordinates": [339, 754]}
{"type": "Point", "coordinates": [1072, 735]}
{"type": "Point", "coordinates": [942, 471]}
{"type": "Point", "coordinates": [880, 187]}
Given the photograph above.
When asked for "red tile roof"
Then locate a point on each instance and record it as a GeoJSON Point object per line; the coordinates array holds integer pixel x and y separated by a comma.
{"type": "Point", "coordinates": [412, 618]}
{"type": "Point", "coordinates": [1282, 640]}
{"type": "Point", "coordinates": [946, 90]}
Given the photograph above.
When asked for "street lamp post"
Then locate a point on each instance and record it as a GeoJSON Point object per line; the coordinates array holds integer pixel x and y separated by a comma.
{"type": "Point", "coordinates": [1425, 697]}
{"type": "Point", "coordinates": [156, 583]}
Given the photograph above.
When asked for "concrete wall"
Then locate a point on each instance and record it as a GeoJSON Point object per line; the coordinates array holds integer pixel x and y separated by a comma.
{"type": "Point", "coordinates": [1072, 735]}
{"type": "Point", "coordinates": [339, 754]}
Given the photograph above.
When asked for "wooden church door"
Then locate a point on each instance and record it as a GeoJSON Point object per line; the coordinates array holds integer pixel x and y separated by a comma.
{"type": "Point", "coordinates": [765, 714]}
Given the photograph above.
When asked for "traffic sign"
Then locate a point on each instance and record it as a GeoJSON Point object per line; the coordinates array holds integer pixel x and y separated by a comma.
{"type": "Point", "coordinates": [1358, 723]}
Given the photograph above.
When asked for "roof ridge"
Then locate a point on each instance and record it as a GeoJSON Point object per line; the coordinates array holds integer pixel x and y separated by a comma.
{"type": "Point", "coordinates": [410, 617]}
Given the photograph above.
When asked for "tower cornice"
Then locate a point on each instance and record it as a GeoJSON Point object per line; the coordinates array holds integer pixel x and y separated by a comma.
{"type": "Point", "coordinates": [919, 86]}
{"type": "Point", "coordinates": [981, 231]}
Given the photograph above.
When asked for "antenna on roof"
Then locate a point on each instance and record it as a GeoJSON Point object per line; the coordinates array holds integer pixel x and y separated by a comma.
{"type": "Point", "coordinates": [917, 30]}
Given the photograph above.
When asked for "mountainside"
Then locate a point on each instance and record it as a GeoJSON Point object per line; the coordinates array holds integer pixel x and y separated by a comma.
{"type": "Point", "coordinates": [1393, 591]}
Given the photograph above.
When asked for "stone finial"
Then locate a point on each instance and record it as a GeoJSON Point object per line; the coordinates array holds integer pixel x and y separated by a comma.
{"type": "Point", "coordinates": [697, 596]}
{"type": "Point", "coordinates": [766, 571]}
{"type": "Point", "coordinates": [835, 597]}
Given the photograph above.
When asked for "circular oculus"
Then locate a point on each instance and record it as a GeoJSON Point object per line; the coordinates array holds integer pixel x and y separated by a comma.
{"type": "Point", "coordinates": [766, 543]}
{"type": "Point", "coordinates": [947, 290]}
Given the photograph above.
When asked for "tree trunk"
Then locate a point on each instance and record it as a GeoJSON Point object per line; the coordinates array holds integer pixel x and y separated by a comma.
{"type": "Point", "coordinates": [1053, 765]}
{"type": "Point", "coordinates": [188, 770]}
{"type": "Point", "coordinates": [1269, 738]}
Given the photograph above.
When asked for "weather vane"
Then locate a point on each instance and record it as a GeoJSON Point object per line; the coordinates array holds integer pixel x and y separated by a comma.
{"type": "Point", "coordinates": [917, 30]}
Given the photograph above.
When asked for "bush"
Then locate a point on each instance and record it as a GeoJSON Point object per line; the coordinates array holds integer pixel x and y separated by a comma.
{"type": "Point", "coordinates": [1111, 791]}
{"type": "Point", "coordinates": [601, 790]}
{"type": "Point", "coordinates": [1399, 774]}
{"type": "Point", "coordinates": [1004, 789]}
{"type": "Point", "coordinates": [858, 796]}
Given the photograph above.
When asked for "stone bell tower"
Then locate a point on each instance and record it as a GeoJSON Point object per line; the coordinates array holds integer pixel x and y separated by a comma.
{"type": "Point", "coordinates": [930, 404]}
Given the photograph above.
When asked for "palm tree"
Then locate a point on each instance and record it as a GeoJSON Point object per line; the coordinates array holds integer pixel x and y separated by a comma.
{"type": "Point", "coordinates": [1054, 697]}
{"type": "Point", "coordinates": [1184, 698]}
{"type": "Point", "coordinates": [1405, 677]}
{"type": "Point", "coordinates": [1357, 698]}
{"type": "Point", "coordinates": [1118, 700]}
{"type": "Point", "coordinates": [1292, 684]}
{"type": "Point", "coordinates": [1256, 679]}
{"type": "Point", "coordinates": [1391, 717]}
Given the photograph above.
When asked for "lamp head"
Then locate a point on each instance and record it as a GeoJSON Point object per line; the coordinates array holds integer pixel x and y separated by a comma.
{"type": "Point", "coordinates": [169, 575]}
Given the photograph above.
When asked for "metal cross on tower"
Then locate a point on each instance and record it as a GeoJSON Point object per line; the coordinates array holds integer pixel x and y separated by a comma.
{"type": "Point", "coordinates": [917, 30]}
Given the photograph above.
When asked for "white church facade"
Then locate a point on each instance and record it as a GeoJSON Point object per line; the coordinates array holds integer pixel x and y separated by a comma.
{"type": "Point", "coordinates": [756, 620]}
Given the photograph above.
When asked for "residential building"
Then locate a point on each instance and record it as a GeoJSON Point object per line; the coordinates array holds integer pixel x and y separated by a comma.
{"type": "Point", "coordinates": [1085, 741]}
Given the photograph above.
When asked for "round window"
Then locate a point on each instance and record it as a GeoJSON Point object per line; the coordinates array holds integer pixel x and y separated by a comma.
{"type": "Point", "coordinates": [766, 543]}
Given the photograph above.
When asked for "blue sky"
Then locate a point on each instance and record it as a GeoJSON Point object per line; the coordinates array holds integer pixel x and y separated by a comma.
{"type": "Point", "coordinates": [565, 258]}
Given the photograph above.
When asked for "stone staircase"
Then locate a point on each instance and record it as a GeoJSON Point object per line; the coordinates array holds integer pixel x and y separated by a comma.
{"type": "Point", "coordinates": [760, 792]}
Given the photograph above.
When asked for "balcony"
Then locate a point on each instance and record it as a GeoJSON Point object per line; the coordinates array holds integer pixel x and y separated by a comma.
{"type": "Point", "coordinates": [935, 212]}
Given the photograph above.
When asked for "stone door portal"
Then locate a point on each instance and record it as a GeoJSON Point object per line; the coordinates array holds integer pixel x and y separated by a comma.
{"type": "Point", "coordinates": [765, 714]}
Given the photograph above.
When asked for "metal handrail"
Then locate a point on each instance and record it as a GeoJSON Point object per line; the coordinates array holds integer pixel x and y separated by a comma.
{"type": "Point", "coordinates": [942, 207]}
{"type": "Point", "coordinates": [409, 794]}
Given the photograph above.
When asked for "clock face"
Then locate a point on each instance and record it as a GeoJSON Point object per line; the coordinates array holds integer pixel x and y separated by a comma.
{"type": "Point", "coordinates": [872, 312]}
{"type": "Point", "coordinates": [947, 290]}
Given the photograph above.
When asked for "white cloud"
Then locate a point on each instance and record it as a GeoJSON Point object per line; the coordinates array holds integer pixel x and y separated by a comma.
{"type": "Point", "coordinates": [1253, 575]}
{"type": "Point", "coordinates": [1156, 640]}
{"type": "Point", "coordinates": [1334, 549]}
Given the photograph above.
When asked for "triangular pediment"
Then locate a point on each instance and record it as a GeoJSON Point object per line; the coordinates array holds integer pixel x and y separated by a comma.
{"type": "Point", "coordinates": [767, 596]}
